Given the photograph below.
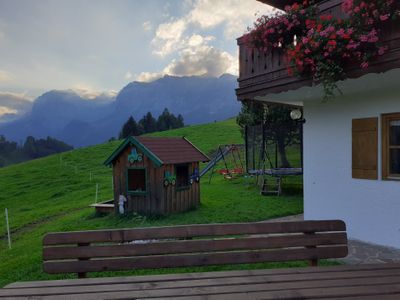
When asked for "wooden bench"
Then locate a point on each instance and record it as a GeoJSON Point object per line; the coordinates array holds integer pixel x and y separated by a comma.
{"type": "Point", "coordinates": [192, 245]}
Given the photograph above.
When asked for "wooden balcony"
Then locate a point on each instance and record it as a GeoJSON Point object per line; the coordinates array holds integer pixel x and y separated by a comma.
{"type": "Point", "coordinates": [266, 73]}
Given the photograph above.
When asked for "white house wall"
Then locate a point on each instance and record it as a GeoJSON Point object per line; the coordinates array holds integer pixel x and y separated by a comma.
{"type": "Point", "coordinates": [370, 208]}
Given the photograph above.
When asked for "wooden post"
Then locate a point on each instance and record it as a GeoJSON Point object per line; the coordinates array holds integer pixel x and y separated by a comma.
{"type": "Point", "coordinates": [82, 274]}
{"type": "Point", "coordinates": [8, 229]}
{"type": "Point", "coordinates": [97, 192]}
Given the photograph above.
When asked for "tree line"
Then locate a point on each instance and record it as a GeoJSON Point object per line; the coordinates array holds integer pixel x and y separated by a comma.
{"type": "Point", "coordinates": [148, 124]}
{"type": "Point", "coordinates": [11, 152]}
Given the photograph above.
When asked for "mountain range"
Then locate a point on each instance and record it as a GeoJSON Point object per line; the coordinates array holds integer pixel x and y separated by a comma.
{"type": "Point", "coordinates": [79, 121]}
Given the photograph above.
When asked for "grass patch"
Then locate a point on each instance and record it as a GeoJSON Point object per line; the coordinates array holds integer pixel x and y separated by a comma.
{"type": "Point", "coordinates": [53, 193]}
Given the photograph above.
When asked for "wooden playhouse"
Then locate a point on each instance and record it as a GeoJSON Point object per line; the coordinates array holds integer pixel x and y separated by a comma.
{"type": "Point", "coordinates": [156, 175]}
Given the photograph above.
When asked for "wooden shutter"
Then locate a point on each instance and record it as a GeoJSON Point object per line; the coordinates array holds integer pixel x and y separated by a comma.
{"type": "Point", "coordinates": [365, 148]}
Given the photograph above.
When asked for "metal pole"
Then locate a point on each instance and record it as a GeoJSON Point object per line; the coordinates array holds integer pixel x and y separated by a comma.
{"type": "Point", "coordinates": [8, 229]}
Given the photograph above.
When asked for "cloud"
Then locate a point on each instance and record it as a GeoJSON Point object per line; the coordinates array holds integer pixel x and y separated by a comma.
{"type": "Point", "coordinates": [168, 37]}
{"type": "Point", "coordinates": [13, 105]}
{"type": "Point", "coordinates": [197, 58]}
{"type": "Point", "coordinates": [90, 93]}
{"type": "Point", "coordinates": [147, 26]}
{"type": "Point", "coordinates": [195, 54]}
{"type": "Point", "coordinates": [232, 15]}
{"type": "Point", "coordinates": [128, 75]}
{"type": "Point", "coordinates": [5, 76]}
{"type": "Point", "coordinates": [6, 110]}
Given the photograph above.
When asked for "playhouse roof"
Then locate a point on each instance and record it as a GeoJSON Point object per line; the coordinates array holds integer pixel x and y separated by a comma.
{"type": "Point", "coordinates": [162, 150]}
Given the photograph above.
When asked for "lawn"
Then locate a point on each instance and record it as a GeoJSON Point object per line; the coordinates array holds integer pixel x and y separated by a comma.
{"type": "Point", "coordinates": [53, 194]}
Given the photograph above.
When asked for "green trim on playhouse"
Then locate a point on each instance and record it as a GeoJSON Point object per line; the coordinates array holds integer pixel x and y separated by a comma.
{"type": "Point", "coordinates": [133, 141]}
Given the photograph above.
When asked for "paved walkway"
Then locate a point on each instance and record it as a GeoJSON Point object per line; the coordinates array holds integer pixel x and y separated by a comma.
{"type": "Point", "coordinates": [359, 252]}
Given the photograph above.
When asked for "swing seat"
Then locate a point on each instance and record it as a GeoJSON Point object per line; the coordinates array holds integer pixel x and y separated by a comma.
{"type": "Point", "coordinates": [237, 171]}
{"type": "Point", "coordinates": [223, 172]}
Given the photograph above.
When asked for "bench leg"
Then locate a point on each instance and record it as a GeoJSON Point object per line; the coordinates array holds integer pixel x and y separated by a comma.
{"type": "Point", "coordinates": [82, 274]}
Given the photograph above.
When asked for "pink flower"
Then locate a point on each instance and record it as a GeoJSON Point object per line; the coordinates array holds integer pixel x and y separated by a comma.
{"type": "Point", "coordinates": [340, 32]}
{"type": "Point", "coordinates": [365, 65]}
{"type": "Point", "coordinates": [384, 17]}
{"type": "Point", "coordinates": [382, 50]}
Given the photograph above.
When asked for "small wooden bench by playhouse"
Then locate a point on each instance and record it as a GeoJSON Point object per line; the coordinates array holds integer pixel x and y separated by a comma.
{"type": "Point", "coordinates": [193, 245]}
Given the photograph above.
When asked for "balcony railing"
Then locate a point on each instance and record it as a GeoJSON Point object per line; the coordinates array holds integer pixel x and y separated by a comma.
{"type": "Point", "coordinates": [264, 73]}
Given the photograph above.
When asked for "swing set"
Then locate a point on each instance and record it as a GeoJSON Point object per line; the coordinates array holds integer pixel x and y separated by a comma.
{"type": "Point", "coordinates": [232, 159]}
{"type": "Point", "coordinates": [262, 158]}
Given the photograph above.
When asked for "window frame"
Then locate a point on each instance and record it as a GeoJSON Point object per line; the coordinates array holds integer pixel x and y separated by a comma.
{"type": "Point", "coordinates": [386, 119]}
{"type": "Point", "coordinates": [136, 193]}
{"type": "Point", "coordinates": [186, 187]}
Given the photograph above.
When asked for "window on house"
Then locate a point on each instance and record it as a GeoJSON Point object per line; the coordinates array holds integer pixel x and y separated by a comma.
{"type": "Point", "coordinates": [391, 146]}
{"type": "Point", "coordinates": [136, 180]}
{"type": "Point", "coordinates": [182, 176]}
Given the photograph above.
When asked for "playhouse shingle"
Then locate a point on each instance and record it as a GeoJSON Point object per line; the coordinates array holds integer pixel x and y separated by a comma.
{"type": "Point", "coordinates": [173, 150]}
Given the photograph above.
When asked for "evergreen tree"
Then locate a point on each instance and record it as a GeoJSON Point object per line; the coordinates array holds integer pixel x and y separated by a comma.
{"type": "Point", "coordinates": [130, 128]}
{"type": "Point", "coordinates": [148, 123]}
{"type": "Point", "coordinates": [163, 121]}
{"type": "Point", "coordinates": [168, 121]}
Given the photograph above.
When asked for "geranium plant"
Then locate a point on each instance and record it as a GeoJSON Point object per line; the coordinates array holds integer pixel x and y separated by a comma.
{"type": "Point", "coordinates": [320, 46]}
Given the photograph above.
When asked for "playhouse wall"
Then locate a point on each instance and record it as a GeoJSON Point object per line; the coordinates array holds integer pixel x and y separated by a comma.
{"type": "Point", "coordinates": [181, 200]}
{"type": "Point", "coordinates": [151, 203]}
{"type": "Point", "coordinates": [370, 208]}
{"type": "Point", "coordinates": [159, 200]}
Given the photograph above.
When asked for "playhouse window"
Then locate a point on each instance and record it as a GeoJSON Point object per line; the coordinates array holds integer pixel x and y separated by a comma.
{"type": "Point", "coordinates": [136, 180]}
{"type": "Point", "coordinates": [391, 146]}
{"type": "Point", "coordinates": [182, 176]}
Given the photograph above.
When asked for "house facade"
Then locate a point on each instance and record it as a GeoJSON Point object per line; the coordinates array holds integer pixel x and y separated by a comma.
{"type": "Point", "coordinates": [351, 142]}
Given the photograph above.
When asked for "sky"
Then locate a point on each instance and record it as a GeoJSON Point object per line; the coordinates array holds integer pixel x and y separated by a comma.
{"type": "Point", "coordinates": [99, 46]}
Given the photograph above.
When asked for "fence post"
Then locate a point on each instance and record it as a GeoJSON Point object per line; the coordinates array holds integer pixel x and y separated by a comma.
{"type": "Point", "coordinates": [8, 229]}
{"type": "Point", "coordinates": [97, 192]}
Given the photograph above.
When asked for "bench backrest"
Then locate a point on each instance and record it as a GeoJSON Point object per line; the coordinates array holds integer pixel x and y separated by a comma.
{"type": "Point", "coordinates": [193, 245]}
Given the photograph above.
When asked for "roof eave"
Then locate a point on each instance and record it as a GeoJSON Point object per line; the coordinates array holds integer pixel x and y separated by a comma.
{"type": "Point", "coordinates": [202, 153]}
{"type": "Point", "coordinates": [132, 141]}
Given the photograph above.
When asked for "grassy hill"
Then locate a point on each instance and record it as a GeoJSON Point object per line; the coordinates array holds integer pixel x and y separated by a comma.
{"type": "Point", "coordinates": [53, 194]}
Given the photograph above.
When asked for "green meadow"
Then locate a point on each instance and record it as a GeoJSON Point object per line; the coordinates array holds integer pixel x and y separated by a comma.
{"type": "Point", "coordinates": [54, 193]}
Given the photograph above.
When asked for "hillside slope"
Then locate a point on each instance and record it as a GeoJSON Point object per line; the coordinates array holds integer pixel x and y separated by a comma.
{"type": "Point", "coordinates": [53, 194]}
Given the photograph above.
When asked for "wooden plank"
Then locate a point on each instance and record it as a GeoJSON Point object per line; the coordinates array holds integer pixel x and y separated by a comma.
{"type": "Point", "coordinates": [274, 282]}
{"type": "Point", "coordinates": [171, 247]}
{"type": "Point", "coordinates": [298, 272]}
{"type": "Point", "coordinates": [185, 260]}
{"type": "Point", "coordinates": [184, 231]}
{"type": "Point", "coordinates": [314, 288]}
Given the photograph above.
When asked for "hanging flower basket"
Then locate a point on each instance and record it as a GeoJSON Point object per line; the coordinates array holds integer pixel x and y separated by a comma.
{"type": "Point", "coordinates": [320, 46]}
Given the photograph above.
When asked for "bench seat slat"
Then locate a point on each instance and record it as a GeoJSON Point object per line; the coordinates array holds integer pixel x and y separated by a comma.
{"type": "Point", "coordinates": [186, 260]}
{"type": "Point", "coordinates": [192, 246]}
{"type": "Point", "coordinates": [125, 235]}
